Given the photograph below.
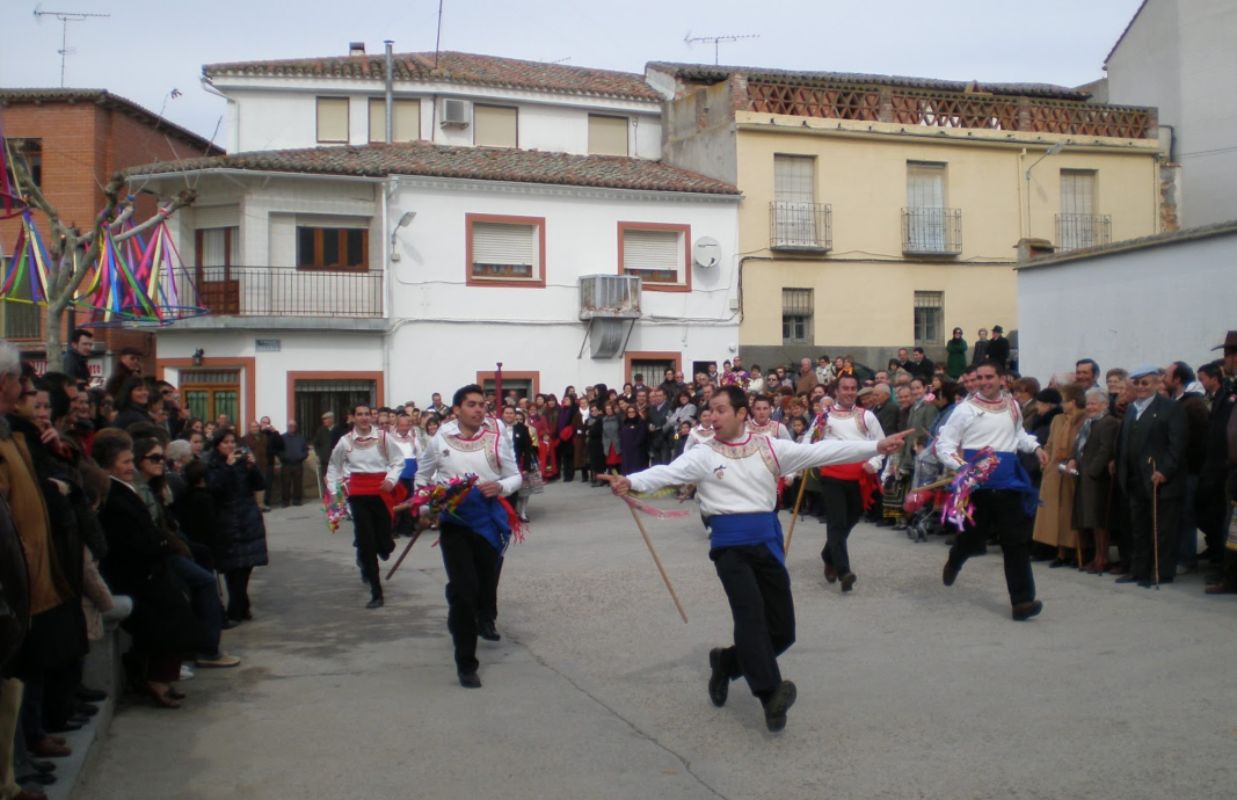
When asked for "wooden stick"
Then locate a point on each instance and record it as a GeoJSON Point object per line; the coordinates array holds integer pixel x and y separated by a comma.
{"type": "Point", "coordinates": [794, 515]}
{"type": "Point", "coordinates": [400, 560]}
{"type": "Point", "coordinates": [1155, 525]}
{"type": "Point", "coordinates": [653, 552]}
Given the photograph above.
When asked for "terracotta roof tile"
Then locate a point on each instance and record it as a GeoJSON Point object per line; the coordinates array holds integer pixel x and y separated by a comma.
{"type": "Point", "coordinates": [712, 73]}
{"type": "Point", "coordinates": [452, 67]}
{"type": "Point", "coordinates": [106, 99]}
{"type": "Point", "coordinates": [481, 163]}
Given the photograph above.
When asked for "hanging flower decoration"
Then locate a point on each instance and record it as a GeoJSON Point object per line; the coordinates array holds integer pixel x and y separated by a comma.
{"type": "Point", "coordinates": [959, 507]}
{"type": "Point", "coordinates": [437, 498]}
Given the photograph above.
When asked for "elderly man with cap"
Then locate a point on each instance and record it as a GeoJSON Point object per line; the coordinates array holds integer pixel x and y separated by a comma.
{"type": "Point", "coordinates": [1221, 449]}
{"type": "Point", "coordinates": [323, 444]}
{"type": "Point", "coordinates": [998, 347]}
{"type": "Point", "coordinates": [1151, 470]}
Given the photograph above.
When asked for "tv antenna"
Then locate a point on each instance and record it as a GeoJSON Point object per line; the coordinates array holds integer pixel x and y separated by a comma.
{"type": "Point", "coordinates": [65, 18]}
{"type": "Point", "coordinates": [717, 40]}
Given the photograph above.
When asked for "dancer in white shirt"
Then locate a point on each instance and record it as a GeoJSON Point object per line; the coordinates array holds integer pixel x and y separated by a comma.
{"type": "Point", "coordinates": [367, 464]}
{"type": "Point", "coordinates": [1005, 503]}
{"type": "Point", "coordinates": [474, 537]}
{"type": "Point", "coordinates": [762, 421]}
{"type": "Point", "coordinates": [737, 476]}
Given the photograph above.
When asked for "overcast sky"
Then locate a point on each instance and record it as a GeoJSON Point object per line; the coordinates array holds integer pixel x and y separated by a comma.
{"type": "Point", "coordinates": [146, 48]}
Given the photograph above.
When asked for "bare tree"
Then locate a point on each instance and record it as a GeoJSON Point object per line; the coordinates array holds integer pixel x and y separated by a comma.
{"type": "Point", "coordinates": [73, 252]}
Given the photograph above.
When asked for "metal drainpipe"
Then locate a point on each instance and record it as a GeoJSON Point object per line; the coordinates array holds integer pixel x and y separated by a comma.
{"type": "Point", "coordinates": [390, 88]}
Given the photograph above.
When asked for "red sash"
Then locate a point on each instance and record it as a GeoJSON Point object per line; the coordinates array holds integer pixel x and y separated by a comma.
{"type": "Point", "coordinates": [370, 483]}
{"type": "Point", "coordinates": [843, 472]}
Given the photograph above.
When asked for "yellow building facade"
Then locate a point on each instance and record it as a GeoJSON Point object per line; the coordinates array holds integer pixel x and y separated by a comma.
{"type": "Point", "coordinates": [880, 213]}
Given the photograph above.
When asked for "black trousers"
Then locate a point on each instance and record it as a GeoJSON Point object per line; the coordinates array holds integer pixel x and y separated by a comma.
{"type": "Point", "coordinates": [999, 514]}
{"type": "Point", "coordinates": [238, 592]}
{"type": "Point", "coordinates": [1142, 549]}
{"type": "Point", "coordinates": [473, 567]}
{"type": "Point", "coordinates": [292, 483]}
{"type": "Point", "coordinates": [372, 523]}
{"type": "Point", "coordinates": [843, 507]}
{"type": "Point", "coordinates": [758, 588]}
{"type": "Point", "coordinates": [566, 460]}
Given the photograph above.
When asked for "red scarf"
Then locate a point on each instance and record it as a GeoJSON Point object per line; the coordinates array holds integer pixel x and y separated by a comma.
{"type": "Point", "coordinates": [364, 484]}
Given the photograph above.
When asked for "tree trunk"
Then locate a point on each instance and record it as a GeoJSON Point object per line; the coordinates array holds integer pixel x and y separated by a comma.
{"type": "Point", "coordinates": [51, 334]}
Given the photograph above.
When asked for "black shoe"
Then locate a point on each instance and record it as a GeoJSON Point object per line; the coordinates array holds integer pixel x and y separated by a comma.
{"type": "Point", "coordinates": [831, 574]}
{"type": "Point", "coordinates": [1127, 579]}
{"type": "Point", "coordinates": [719, 680]}
{"type": "Point", "coordinates": [486, 630]}
{"type": "Point", "coordinates": [39, 778]}
{"type": "Point", "coordinates": [42, 765]}
{"type": "Point", "coordinates": [848, 581]}
{"type": "Point", "coordinates": [229, 624]}
{"type": "Point", "coordinates": [91, 695]}
{"type": "Point", "coordinates": [374, 603]}
{"type": "Point", "coordinates": [1058, 562]}
{"type": "Point", "coordinates": [85, 709]}
{"type": "Point", "coordinates": [64, 727]}
{"type": "Point", "coordinates": [779, 702]}
{"type": "Point", "coordinates": [1024, 611]}
{"type": "Point", "coordinates": [949, 574]}
{"type": "Point", "coordinates": [469, 680]}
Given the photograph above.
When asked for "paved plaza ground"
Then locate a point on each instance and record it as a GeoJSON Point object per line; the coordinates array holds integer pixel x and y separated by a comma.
{"type": "Point", "coordinates": [907, 689]}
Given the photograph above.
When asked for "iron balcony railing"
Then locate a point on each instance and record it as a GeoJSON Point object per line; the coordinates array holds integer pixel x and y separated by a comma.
{"type": "Point", "coordinates": [806, 227]}
{"type": "Point", "coordinates": [288, 292]}
{"type": "Point", "coordinates": [1076, 231]}
{"type": "Point", "coordinates": [931, 231]}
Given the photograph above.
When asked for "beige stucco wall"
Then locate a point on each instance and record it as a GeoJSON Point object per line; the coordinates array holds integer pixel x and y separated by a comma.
{"type": "Point", "coordinates": [864, 286]}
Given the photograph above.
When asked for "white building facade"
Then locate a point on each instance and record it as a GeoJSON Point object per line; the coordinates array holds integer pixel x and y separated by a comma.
{"type": "Point", "coordinates": [340, 273]}
{"type": "Point", "coordinates": [1154, 300]}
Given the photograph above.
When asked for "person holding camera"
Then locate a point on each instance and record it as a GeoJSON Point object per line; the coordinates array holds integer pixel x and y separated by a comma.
{"type": "Point", "coordinates": [233, 476]}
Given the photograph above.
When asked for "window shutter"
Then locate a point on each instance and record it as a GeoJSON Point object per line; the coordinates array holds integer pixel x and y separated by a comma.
{"type": "Point", "coordinates": [607, 136]}
{"type": "Point", "coordinates": [1077, 191]}
{"type": "Point", "coordinates": [651, 250]}
{"type": "Point", "coordinates": [407, 126]}
{"type": "Point", "coordinates": [494, 126]}
{"type": "Point", "coordinates": [332, 119]}
{"type": "Point", "coordinates": [794, 179]}
{"type": "Point", "coordinates": [500, 243]}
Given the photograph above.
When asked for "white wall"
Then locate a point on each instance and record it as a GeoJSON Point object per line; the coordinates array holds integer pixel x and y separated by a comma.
{"type": "Point", "coordinates": [1179, 56]}
{"type": "Point", "coordinates": [1155, 305]}
{"type": "Point", "coordinates": [285, 117]}
{"type": "Point", "coordinates": [300, 351]}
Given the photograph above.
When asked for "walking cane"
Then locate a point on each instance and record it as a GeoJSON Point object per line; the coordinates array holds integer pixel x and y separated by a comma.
{"type": "Point", "coordinates": [794, 515]}
{"type": "Point", "coordinates": [1155, 524]}
{"type": "Point", "coordinates": [665, 578]}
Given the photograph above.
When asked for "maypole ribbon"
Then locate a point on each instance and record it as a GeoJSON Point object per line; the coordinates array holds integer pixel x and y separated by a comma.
{"type": "Point", "coordinates": [653, 511]}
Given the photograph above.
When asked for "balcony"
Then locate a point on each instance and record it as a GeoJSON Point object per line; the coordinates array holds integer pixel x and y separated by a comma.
{"type": "Point", "coordinates": [1076, 231]}
{"type": "Point", "coordinates": [931, 231]}
{"type": "Point", "coordinates": [289, 292]}
{"type": "Point", "coordinates": [800, 227]}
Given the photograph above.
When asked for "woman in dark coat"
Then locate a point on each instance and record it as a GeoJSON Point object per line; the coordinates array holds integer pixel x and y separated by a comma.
{"type": "Point", "coordinates": [138, 563]}
{"type": "Point", "coordinates": [592, 436]}
{"type": "Point", "coordinates": [634, 435]}
{"type": "Point", "coordinates": [232, 477]}
{"type": "Point", "coordinates": [1096, 449]}
{"type": "Point", "coordinates": [131, 403]}
{"type": "Point", "coordinates": [564, 436]}
{"type": "Point", "coordinates": [956, 351]}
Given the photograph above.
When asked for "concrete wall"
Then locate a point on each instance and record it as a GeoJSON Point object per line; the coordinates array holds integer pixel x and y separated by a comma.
{"type": "Point", "coordinates": [276, 117]}
{"type": "Point", "coordinates": [865, 286]}
{"type": "Point", "coordinates": [1180, 57]}
{"type": "Point", "coordinates": [1154, 305]}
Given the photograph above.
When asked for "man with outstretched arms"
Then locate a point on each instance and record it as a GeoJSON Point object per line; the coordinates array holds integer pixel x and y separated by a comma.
{"type": "Point", "coordinates": [737, 473]}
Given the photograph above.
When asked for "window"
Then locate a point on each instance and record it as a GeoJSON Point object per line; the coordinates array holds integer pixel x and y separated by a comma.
{"type": "Point", "coordinates": [795, 219]}
{"type": "Point", "coordinates": [925, 203]}
{"type": "Point", "coordinates": [1078, 225]}
{"type": "Point", "coordinates": [607, 136]}
{"type": "Point", "coordinates": [333, 120]}
{"type": "Point", "coordinates": [657, 253]}
{"type": "Point", "coordinates": [524, 384]}
{"type": "Point", "coordinates": [217, 251]}
{"type": "Point", "coordinates": [929, 318]}
{"type": "Point", "coordinates": [505, 251]}
{"type": "Point", "coordinates": [332, 248]}
{"type": "Point", "coordinates": [493, 126]}
{"type": "Point", "coordinates": [32, 150]}
{"type": "Point", "coordinates": [313, 398]}
{"type": "Point", "coordinates": [406, 120]}
{"type": "Point", "coordinates": [797, 308]}
{"type": "Point", "coordinates": [651, 364]}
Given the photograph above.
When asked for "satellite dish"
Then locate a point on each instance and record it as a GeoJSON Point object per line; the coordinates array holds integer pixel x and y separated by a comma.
{"type": "Point", "coordinates": [707, 253]}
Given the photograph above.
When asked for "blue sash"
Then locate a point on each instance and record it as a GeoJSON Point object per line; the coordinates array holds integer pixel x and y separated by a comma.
{"type": "Point", "coordinates": [747, 530]}
{"type": "Point", "coordinates": [1010, 475]}
{"type": "Point", "coordinates": [410, 469]}
{"type": "Point", "coordinates": [485, 516]}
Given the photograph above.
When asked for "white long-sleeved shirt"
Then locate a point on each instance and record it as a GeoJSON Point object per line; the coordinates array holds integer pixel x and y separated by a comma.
{"type": "Point", "coordinates": [978, 423]}
{"type": "Point", "coordinates": [356, 453]}
{"type": "Point", "coordinates": [741, 477]}
{"type": "Point", "coordinates": [409, 445]}
{"type": "Point", "coordinates": [852, 425]}
{"type": "Point", "coordinates": [488, 454]}
{"type": "Point", "coordinates": [697, 436]}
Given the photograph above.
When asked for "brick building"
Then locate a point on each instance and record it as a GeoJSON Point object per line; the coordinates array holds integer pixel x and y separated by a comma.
{"type": "Point", "coordinates": [74, 140]}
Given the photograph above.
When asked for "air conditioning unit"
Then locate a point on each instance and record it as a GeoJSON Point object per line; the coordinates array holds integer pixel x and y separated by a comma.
{"type": "Point", "coordinates": [455, 113]}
